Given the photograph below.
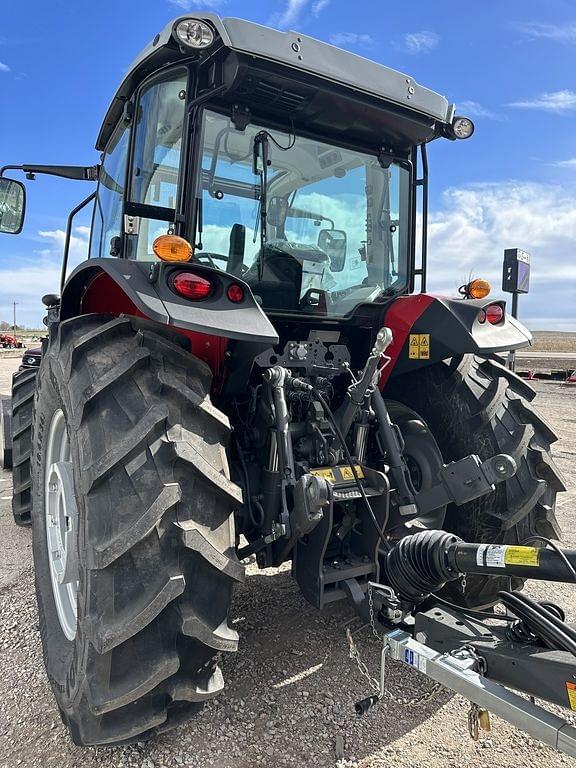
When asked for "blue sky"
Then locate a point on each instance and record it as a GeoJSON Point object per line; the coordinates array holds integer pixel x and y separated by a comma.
{"type": "Point", "coordinates": [510, 65]}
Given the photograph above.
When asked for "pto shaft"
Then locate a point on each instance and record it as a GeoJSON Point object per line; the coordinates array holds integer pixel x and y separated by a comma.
{"type": "Point", "coordinates": [421, 564]}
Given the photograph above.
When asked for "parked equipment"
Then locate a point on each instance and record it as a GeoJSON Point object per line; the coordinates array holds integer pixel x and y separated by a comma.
{"type": "Point", "coordinates": [245, 352]}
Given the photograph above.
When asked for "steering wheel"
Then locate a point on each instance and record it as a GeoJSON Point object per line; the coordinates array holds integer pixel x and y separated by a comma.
{"type": "Point", "coordinates": [205, 257]}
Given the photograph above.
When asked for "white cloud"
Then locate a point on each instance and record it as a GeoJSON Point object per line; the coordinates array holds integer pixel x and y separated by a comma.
{"type": "Point", "coordinates": [566, 33]}
{"type": "Point", "coordinates": [290, 15]}
{"type": "Point", "coordinates": [4, 67]}
{"type": "Point", "coordinates": [475, 109]}
{"type": "Point", "coordinates": [420, 42]}
{"type": "Point", "coordinates": [556, 101]}
{"type": "Point", "coordinates": [318, 6]}
{"type": "Point", "coordinates": [26, 282]}
{"type": "Point", "coordinates": [343, 39]}
{"type": "Point", "coordinates": [469, 234]}
{"type": "Point", "coordinates": [570, 163]}
{"type": "Point", "coordinates": [189, 5]}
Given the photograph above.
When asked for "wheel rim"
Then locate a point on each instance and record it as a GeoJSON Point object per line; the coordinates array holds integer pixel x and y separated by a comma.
{"type": "Point", "coordinates": [61, 524]}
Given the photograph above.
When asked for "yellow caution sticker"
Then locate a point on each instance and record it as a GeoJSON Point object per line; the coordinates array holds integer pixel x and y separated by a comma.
{"type": "Point", "coordinates": [571, 691]}
{"type": "Point", "coordinates": [327, 474]}
{"type": "Point", "coordinates": [419, 346]}
{"type": "Point", "coordinates": [338, 475]}
{"type": "Point", "coordinates": [347, 473]}
{"type": "Point", "coordinates": [522, 556]}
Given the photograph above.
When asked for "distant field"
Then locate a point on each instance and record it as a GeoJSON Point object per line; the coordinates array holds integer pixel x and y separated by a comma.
{"type": "Point", "coordinates": [554, 341]}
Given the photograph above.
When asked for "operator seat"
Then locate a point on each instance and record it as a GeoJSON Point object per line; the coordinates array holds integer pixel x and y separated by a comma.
{"type": "Point", "coordinates": [283, 266]}
{"type": "Point", "coordinates": [236, 249]}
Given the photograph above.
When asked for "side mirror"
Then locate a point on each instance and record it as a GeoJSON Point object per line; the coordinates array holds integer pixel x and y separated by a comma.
{"type": "Point", "coordinates": [12, 206]}
{"type": "Point", "coordinates": [333, 242]}
{"type": "Point", "coordinates": [277, 211]}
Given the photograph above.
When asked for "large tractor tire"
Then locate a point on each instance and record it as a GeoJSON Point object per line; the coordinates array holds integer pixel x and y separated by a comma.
{"type": "Point", "coordinates": [5, 433]}
{"type": "Point", "coordinates": [23, 388]}
{"type": "Point", "coordinates": [476, 405]}
{"type": "Point", "coordinates": [133, 529]}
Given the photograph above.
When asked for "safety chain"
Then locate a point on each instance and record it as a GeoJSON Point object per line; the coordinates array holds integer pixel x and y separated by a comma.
{"type": "Point", "coordinates": [375, 684]}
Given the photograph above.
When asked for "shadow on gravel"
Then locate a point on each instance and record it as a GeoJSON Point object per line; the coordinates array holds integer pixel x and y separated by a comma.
{"type": "Point", "coordinates": [291, 688]}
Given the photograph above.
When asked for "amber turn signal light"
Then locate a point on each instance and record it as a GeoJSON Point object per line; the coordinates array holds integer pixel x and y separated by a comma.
{"type": "Point", "coordinates": [172, 248]}
{"type": "Point", "coordinates": [478, 289]}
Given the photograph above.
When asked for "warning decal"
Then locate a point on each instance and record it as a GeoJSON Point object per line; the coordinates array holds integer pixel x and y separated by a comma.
{"type": "Point", "coordinates": [327, 474]}
{"type": "Point", "coordinates": [419, 346]}
{"type": "Point", "coordinates": [347, 473]}
{"type": "Point", "coordinates": [571, 691]}
{"type": "Point", "coordinates": [522, 556]}
{"type": "Point", "coordinates": [338, 475]}
{"type": "Point", "coordinates": [491, 555]}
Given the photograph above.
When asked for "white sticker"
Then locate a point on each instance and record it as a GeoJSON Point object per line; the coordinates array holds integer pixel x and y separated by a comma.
{"type": "Point", "coordinates": [415, 660]}
{"type": "Point", "coordinates": [480, 554]}
{"type": "Point", "coordinates": [491, 555]}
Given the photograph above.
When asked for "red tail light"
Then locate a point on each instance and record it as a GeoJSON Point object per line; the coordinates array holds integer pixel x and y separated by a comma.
{"type": "Point", "coordinates": [235, 293]}
{"type": "Point", "coordinates": [191, 286]}
{"type": "Point", "coordinates": [493, 313]}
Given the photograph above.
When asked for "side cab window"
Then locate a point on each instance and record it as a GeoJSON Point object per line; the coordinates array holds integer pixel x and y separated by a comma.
{"type": "Point", "coordinates": [156, 159]}
{"type": "Point", "coordinates": [107, 219]}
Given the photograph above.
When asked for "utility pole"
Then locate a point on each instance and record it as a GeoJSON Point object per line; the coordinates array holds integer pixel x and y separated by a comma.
{"type": "Point", "coordinates": [14, 308]}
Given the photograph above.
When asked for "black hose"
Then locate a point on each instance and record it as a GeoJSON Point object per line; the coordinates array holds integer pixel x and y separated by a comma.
{"type": "Point", "coordinates": [542, 622]}
{"type": "Point", "coordinates": [350, 460]}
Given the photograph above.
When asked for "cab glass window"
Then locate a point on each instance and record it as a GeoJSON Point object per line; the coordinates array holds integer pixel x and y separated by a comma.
{"type": "Point", "coordinates": [107, 221]}
{"type": "Point", "coordinates": [156, 161]}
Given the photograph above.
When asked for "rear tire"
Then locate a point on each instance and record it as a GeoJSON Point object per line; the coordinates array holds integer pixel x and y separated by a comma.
{"type": "Point", "coordinates": [5, 432]}
{"type": "Point", "coordinates": [23, 388]}
{"type": "Point", "coordinates": [476, 405]}
{"type": "Point", "coordinates": [155, 530]}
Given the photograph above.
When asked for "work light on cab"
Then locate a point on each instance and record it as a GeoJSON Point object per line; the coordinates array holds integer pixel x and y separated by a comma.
{"type": "Point", "coordinates": [172, 248]}
{"type": "Point", "coordinates": [194, 33]}
{"type": "Point", "coordinates": [191, 286]}
{"type": "Point", "coordinates": [462, 127]}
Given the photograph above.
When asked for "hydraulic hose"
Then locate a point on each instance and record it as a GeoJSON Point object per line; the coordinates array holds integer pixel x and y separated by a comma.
{"type": "Point", "coordinates": [539, 621]}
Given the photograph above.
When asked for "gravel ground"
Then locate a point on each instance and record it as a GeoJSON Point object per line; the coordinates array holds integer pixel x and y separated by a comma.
{"type": "Point", "coordinates": [291, 686]}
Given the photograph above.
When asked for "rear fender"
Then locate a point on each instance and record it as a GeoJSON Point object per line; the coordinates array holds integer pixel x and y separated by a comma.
{"type": "Point", "coordinates": [141, 289]}
{"type": "Point", "coordinates": [428, 329]}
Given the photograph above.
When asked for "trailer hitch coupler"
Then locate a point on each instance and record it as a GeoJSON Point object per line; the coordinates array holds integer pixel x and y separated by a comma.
{"type": "Point", "coordinates": [361, 707]}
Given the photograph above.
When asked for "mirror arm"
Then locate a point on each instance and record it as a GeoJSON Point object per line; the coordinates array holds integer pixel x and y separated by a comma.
{"type": "Point", "coordinates": [71, 215]}
{"type": "Point", "coordinates": [77, 172]}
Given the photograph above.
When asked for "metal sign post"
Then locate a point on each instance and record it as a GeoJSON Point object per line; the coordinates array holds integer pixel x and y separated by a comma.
{"type": "Point", "coordinates": [515, 280]}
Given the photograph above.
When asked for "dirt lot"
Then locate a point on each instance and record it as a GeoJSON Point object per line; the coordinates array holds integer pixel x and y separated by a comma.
{"type": "Point", "coordinates": [554, 341]}
{"type": "Point", "coordinates": [291, 687]}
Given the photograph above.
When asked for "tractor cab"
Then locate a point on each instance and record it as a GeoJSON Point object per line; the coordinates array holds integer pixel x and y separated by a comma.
{"type": "Point", "coordinates": [281, 160]}
{"type": "Point", "coordinates": [263, 152]}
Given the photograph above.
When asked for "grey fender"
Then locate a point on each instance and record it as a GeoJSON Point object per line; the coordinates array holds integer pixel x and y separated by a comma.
{"type": "Point", "coordinates": [146, 285]}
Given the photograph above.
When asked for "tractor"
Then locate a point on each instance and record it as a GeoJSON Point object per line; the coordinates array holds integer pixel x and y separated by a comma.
{"type": "Point", "coordinates": [248, 365]}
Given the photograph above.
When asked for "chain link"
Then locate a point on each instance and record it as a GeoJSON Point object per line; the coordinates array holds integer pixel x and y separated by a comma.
{"type": "Point", "coordinates": [375, 684]}
{"type": "Point", "coordinates": [362, 668]}
{"type": "Point", "coordinates": [372, 617]}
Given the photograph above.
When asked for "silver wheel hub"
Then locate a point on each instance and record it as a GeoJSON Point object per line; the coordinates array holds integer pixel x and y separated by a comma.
{"type": "Point", "coordinates": [61, 524]}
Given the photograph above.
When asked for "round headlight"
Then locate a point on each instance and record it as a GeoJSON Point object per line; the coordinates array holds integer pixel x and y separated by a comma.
{"type": "Point", "coordinates": [194, 33]}
{"type": "Point", "coordinates": [462, 127]}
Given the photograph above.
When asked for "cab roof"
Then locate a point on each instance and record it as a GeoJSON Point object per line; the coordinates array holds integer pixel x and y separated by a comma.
{"type": "Point", "coordinates": [291, 51]}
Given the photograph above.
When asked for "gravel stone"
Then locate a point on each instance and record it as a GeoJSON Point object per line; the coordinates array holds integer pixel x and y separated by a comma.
{"type": "Point", "coordinates": [303, 701]}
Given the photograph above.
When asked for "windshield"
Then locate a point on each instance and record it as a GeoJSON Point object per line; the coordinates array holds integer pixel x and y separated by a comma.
{"type": "Point", "coordinates": [336, 220]}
